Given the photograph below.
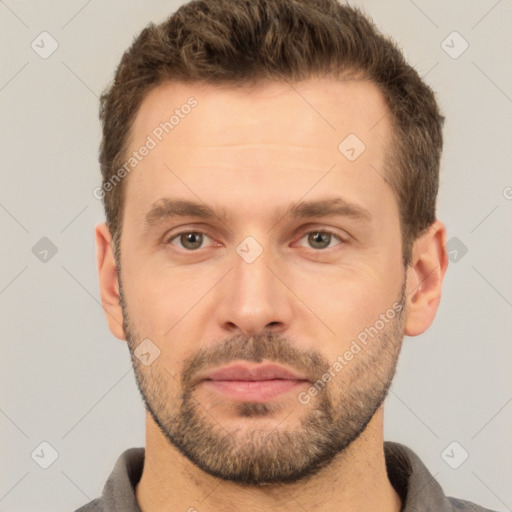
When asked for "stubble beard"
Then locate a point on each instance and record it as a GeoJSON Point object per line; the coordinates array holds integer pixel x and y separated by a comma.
{"type": "Point", "coordinates": [257, 456]}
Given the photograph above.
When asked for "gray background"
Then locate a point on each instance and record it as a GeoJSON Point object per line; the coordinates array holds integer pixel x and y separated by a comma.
{"type": "Point", "coordinates": [67, 381]}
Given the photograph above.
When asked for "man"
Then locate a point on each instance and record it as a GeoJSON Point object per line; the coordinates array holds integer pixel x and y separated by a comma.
{"type": "Point", "coordinates": [270, 171]}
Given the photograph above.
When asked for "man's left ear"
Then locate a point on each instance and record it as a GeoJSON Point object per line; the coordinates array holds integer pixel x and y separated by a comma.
{"type": "Point", "coordinates": [425, 278]}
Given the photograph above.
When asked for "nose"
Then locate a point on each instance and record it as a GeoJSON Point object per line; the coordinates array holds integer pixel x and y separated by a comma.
{"type": "Point", "coordinates": [253, 298]}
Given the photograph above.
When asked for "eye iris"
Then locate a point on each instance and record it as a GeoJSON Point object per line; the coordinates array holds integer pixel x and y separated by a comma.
{"type": "Point", "coordinates": [319, 240]}
{"type": "Point", "coordinates": [191, 240]}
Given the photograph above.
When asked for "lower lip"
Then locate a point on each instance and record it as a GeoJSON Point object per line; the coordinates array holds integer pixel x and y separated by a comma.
{"type": "Point", "coordinates": [254, 391]}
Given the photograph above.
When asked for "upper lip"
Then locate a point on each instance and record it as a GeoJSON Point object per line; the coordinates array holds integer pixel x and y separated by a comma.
{"type": "Point", "coordinates": [252, 373]}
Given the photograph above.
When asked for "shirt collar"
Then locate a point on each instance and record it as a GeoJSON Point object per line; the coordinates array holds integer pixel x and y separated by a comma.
{"type": "Point", "coordinates": [417, 488]}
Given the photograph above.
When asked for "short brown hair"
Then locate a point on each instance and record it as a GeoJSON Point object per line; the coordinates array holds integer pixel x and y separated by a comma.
{"type": "Point", "coordinates": [237, 42]}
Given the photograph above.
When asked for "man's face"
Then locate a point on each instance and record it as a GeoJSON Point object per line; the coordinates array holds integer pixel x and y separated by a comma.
{"type": "Point", "coordinates": [265, 279]}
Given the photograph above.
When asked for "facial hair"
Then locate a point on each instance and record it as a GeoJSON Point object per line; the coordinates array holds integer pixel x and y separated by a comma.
{"type": "Point", "coordinates": [331, 421]}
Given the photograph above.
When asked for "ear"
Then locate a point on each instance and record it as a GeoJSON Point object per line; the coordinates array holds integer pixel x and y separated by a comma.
{"type": "Point", "coordinates": [425, 279]}
{"type": "Point", "coordinates": [109, 284]}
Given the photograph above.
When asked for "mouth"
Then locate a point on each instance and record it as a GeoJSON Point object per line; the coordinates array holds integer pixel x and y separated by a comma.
{"type": "Point", "coordinates": [253, 383]}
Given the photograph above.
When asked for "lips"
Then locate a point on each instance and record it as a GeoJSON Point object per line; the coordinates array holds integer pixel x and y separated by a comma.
{"type": "Point", "coordinates": [253, 383]}
{"type": "Point", "coordinates": [244, 372]}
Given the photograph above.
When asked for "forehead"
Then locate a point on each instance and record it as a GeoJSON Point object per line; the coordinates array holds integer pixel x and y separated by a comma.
{"type": "Point", "coordinates": [275, 140]}
{"type": "Point", "coordinates": [270, 112]}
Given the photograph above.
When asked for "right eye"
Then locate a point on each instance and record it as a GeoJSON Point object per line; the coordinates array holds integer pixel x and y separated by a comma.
{"type": "Point", "coordinates": [188, 240]}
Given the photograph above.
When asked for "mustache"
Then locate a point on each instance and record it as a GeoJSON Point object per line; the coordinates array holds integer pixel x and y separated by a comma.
{"type": "Point", "coordinates": [269, 347]}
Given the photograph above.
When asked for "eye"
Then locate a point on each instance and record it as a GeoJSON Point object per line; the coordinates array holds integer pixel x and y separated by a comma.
{"type": "Point", "coordinates": [321, 239]}
{"type": "Point", "coordinates": [189, 240]}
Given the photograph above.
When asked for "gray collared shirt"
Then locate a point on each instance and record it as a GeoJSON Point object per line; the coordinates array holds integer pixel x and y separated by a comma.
{"type": "Point", "coordinates": [417, 488]}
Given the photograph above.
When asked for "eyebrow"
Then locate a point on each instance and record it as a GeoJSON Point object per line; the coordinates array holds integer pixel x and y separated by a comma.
{"type": "Point", "coordinates": [325, 207]}
{"type": "Point", "coordinates": [167, 208]}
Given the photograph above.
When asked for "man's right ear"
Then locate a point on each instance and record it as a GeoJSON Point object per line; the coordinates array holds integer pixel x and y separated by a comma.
{"type": "Point", "coordinates": [109, 283]}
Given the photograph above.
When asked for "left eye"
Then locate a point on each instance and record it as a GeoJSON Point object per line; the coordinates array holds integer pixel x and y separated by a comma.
{"type": "Point", "coordinates": [320, 239]}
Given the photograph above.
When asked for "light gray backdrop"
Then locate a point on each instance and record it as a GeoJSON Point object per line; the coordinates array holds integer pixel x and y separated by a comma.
{"type": "Point", "coordinates": [67, 382]}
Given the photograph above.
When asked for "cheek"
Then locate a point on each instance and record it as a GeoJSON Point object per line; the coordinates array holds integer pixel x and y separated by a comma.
{"type": "Point", "coordinates": [347, 301]}
{"type": "Point", "coordinates": [350, 308]}
{"type": "Point", "coordinates": [155, 295]}
{"type": "Point", "coordinates": [151, 308]}
{"type": "Point", "coordinates": [167, 307]}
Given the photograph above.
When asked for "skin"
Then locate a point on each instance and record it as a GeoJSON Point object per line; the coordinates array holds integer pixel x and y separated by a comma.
{"type": "Point", "coordinates": [250, 155]}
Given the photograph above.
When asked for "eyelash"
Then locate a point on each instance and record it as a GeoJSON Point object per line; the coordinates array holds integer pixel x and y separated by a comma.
{"type": "Point", "coordinates": [326, 231]}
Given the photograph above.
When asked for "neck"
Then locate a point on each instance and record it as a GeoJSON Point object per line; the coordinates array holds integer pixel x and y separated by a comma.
{"type": "Point", "coordinates": [355, 480]}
